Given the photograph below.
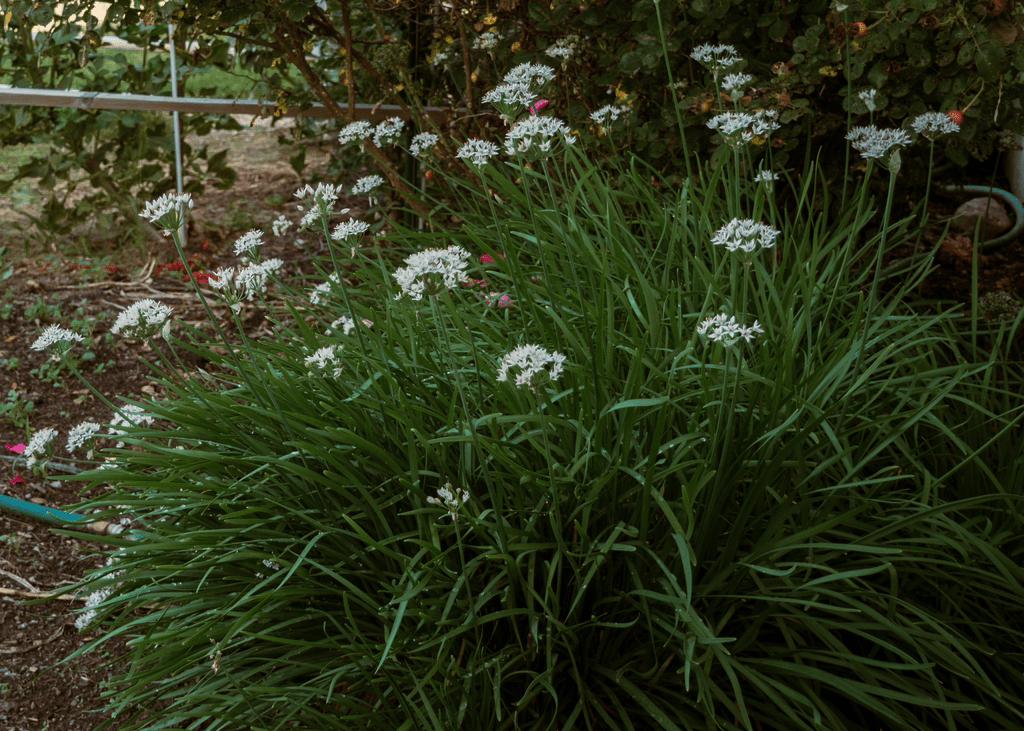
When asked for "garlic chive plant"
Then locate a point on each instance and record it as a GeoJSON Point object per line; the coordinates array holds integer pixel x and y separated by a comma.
{"type": "Point", "coordinates": [693, 478]}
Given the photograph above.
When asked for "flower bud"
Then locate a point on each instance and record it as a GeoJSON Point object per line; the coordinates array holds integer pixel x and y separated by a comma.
{"type": "Point", "coordinates": [956, 115]}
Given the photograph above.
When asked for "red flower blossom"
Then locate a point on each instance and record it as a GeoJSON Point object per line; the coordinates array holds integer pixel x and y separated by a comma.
{"type": "Point", "coordinates": [18, 480]}
{"type": "Point", "coordinates": [19, 448]}
{"type": "Point", "coordinates": [956, 115]}
{"type": "Point", "coordinates": [541, 103]}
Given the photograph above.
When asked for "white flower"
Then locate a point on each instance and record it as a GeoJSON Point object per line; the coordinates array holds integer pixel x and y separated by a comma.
{"type": "Point", "coordinates": [347, 325]}
{"type": "Point", "coordinates": [607, 114]}
{"type": "Point", "coordinates": [563, 48]}
{"type": "Point", "coordinates": [715, 58]}
{"type": "Point", "coordinates": [247, 242]}
{"type": "Point", "coordinates": [487, 41]}
{"type": "Point", "coordinates": [744, 234]}
{"type": "Point", "coordinates": [477, 151]}
{"type": "Point", "coordinates": [727, 331]}
{"type": "Point", "coordinates": [130, 415]}
{"type": "Point", "coordinates": [528, 74]}
{"type": "Point", "coordinates": [143, 319]}
{"type": "Point", "coordinates": [388, 132]}
{"type": "Point", "coordinates": [252, 280]}
{"type": "Point", "coordinates": [95, 599]}
{"type": "Point", "coordinates": [739, 127]}
{"type": "Point", "coordinates": [530, 361]}
{"type": "Point", "coordinates": [223, 280]}
{"type": "Point", "coordinates": [872, 142]}
{"type": "Point", "coordinates": [868, 97]}
{"type": "Point", "coordinates": [736, 83]}
{"type": "Point", "coordinates": [441, 58]}
{"type": "Point", "coordinates": [323, 197]}
{"type": "Point", "coordinates": [536, 135]}
{"type": "Point", "coordinates": [366, 184]}
{"type": "Point", "coordinates": [934, 124]}
{"type": "Point", "coordinates": [324, 288]}
{"type": "Point", "coordinates": [423, 141]}
{"type": "Point", "coordinates": [37, 444]}
{"type": "Point", "coordinates": [169, 210]}
{"type": "Point", "coordinates": [350, 227]}
{"type": "Point", "coordinates": [280, 225]}
{"type": "Point", "coordinates": [82, 433]}
{"type": "Point", "coordinates": [326, 360]}
{"type": "Point", "coordinates": [767, 177]}
{"type": "Point", "coordinates": [355, 131]}
{"type": "Point", "coordinates": [54, 335]}
{"type": "Point", "coordinates": [431, 272]}
{"type": "Point", "coordinates": [450, 500]}
{"type": "Point", "coordinates": [510, 95]}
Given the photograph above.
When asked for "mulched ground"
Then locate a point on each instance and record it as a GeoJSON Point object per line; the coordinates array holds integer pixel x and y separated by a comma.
{"type": "Point", "coordinates": [37, 690]}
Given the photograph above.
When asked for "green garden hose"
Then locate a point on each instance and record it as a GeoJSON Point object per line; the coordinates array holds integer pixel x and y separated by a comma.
{"type": "Point", "coordinates": [1015, 231]}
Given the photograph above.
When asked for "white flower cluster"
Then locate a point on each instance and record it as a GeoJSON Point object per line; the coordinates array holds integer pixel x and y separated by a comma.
{"type": "Point", "coordinates": [727, 331]}
{"type": "Point", "coordinates": [422, 142]}
{"type": "Point", "coordinates": [477, 151]}
{"type": "Point", "coordinates": [432, 272]}
{"type": "Point", "coordinates": [510, 99]}
{"type": "Point", "coordinates": [529, 74]}
{"type": "Point", "coordinates": [54, 335]}
{"type": "Point", "coordinates": [736, 83]}
{"type": "Point", "coordinates": [347, 325]}
{"type": "Point", "coordinates": [535, 136]}
{"type": "Point", "coordinates": [93, 600]}
{"type": "Point", "coordinates": [450, 500]}
{"type": "Point", "coordinates": [607, 114]}
{"type": "Point", "coordinates": [530, 362]}
{"type": "Point", "coordinates": [249, 241]}
{"type": "Point", "coordinates": [872, 142]}
{"type": "Point", "coordinates": [348, 228]}
{"type": "Point", "coordinates": [129, 415]}
{"type": "Point", "coordinates": [934, 124]}
{"type": "Point", "coordinates": [280, 225]}
{"type": "Point", "coordinates": [767, 177]}
{"type": "Point", "coordinates": [563, 48]}
{"type": "Point", "coordinates": [355, 131]}
{"type": "Point", "coordinates": [366, 184]}
{"type": "Point", "coordinates": [441, 58]}
{"type": "Point", "coordinates": [169, 210]}
{"type": "Point", "coordinates": [249, 282]}
{"type": "Point", "coordinates": [321, 202]}
{"type": "Point", "coordinates": [143, 319]}
{"type": "Point", "coordinates": [38, 444]}
{"type": "Point", "coordinates": [868, 97]}
{"type": "Point", "coordinates": [487, 41]}
{"type": "Point", "coordinates": [739, 127]}
{"type": "Point", "coordinates": [82, 433]}
{"type": "Point", "coordinates": [744, 234]}
{"type": "Point", "coordinates": [326, 360]}
{"type": "Point", "coordinates": [715, 58]}
{"type": "Point", "coordinates": [388, 132]}
{"type": "Point", "coordinates": [321, 290]}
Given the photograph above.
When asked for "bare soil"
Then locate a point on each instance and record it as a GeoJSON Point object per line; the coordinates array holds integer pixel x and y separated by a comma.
{"type": "Point", "coordinates": [37, 690]}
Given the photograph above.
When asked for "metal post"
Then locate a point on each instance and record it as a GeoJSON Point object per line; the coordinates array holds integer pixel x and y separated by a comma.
{"type": "Point", "coordinates": [177, 127]}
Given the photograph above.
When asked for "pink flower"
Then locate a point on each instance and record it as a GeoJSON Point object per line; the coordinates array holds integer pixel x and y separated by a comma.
{"type": "Point", "coordinates": [541, 103]}
{"type": "Point", "coordinates": [486, 259]}
{"type": "Point", "coordinates": [18, 480]}
{"type": "Point", "coordinates": [19, 448]}
{"type": "Point", "coordinates": [503, 302]}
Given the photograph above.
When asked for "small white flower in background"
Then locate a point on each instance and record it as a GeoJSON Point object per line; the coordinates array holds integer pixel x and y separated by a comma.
{"type": "Point", "coordinates": [607, 114]}
{"type": "Point", "coordinates": [422, 142]}
{"type": "Point", "coordinates": [529, 362]}
{"type": "Point", "coordinates": [350, 227]}
{"type": "Point", "coordinates": [934, 124]}
{"type": "Point", "coordinates": [767, 177]}
{"type": "Point", "coordinates": [872, 142]}
{"type": "Point", "coordinates": [528, 74]}
{"type": "Point", "coordinates": [355, 131]}
{"type": "Point", "coordinates": [432, 272]}
{"type": "Point", "coordinates": [737, 128]}
{"type": "Point", "coordinates": [715, 58]}
{"type": "Point", "coordinates": [441, 58]}
{"type": "Point", "coordinates": [326, 360]}
{"type": "Point", "coordinates": [249, 241]}
{"type": "Point", "coordinates": [868, 97]}
{"type": "Point", "coordinates": [347, 325]}
{"type": "Point", "coordinates": [486, 41]}
{"type": "Point", "coordinates": [388, 131]}
{"type": "Point", "coordinates": [93, 600]}
{"type": "Point", "coordinates": [143, 319]}
{"type": "Point", "coordinates": [535, 136]}
{"type": "Point", "coordinates": [252, 280]}
{"type": "Point", "coordinates": [563, 48]}
{"type": "Point", "coordinates": [280, 225]}
{"type": "Point", "coordinates": [744, 234]}
{"type": "Point", "coordinates": [38, 445]}
{"type": "Point", "coordinates": [55, 335]}
{"type": "Point", "coordinates": [450, 500]}
{"type": "Point", "coordinates": [367, 184]}
{"type": "Point", "coordinates": [735, 84]}
{"type": "Point", "coordinates": [129, 415]}
{"type": "Point", "coordinates": [477, 151]}
{"type": "Point", "coordinates": [82, 433]}
{"type": "Point", "coordinates": [223, 281]}
{"type": "Point", "coordinates": [323, 197]}
{"type": "Point", "coordinates": [323, 289]}
{"type": "Point", "coordinates": [169, 211]}
{"type": "Point", "coordinates": [727, 331]}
